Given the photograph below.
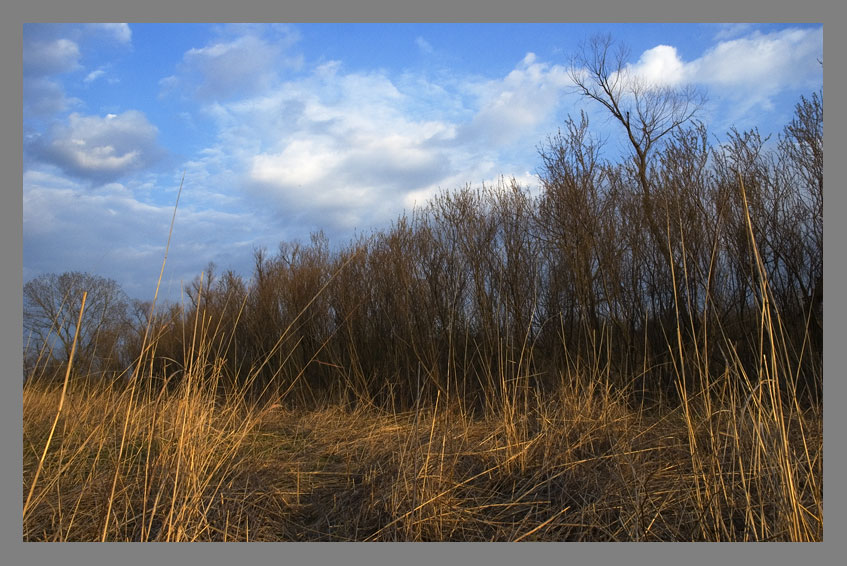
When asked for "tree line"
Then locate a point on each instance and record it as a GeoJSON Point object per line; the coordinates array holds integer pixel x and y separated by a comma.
{"type": "Point", "coordinates": [640, 269]}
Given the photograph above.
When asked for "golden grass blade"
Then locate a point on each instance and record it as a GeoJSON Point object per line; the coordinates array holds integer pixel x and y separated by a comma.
{"type": "Point", "coordinates": [59, 409]}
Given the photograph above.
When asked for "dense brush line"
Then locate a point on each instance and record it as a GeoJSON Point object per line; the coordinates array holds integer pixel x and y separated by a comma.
{"type": "Point", "coordinates": [494, 280]}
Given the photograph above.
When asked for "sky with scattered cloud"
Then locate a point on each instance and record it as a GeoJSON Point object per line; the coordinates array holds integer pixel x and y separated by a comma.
{"type": "Point", "coordinates": [282, 130]}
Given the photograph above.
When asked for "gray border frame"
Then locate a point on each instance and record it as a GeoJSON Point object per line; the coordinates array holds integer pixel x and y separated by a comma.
{"type": "Point", "coordinates": [17, 552]}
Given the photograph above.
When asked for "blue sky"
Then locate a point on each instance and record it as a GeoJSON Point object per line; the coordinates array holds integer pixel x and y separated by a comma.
{"type": "Point", "coordinates": [287, 129]}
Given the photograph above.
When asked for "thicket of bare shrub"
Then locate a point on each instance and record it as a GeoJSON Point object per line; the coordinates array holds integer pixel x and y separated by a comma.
{"type": "Point", "coordinates": [487, 284]}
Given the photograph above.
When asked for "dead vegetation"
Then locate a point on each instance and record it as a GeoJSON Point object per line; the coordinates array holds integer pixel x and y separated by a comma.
{"type": "Point", "coordinates": [635, 353]}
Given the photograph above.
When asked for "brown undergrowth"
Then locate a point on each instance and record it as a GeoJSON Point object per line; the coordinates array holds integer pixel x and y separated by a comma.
{"type": "Point", "coordinates": [580, 465]}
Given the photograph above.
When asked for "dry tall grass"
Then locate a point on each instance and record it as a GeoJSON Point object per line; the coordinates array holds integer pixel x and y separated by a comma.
{"type": "Point", "coordinates": [580, 465]}
{"type": "Point", "coordinates": [738, 459]}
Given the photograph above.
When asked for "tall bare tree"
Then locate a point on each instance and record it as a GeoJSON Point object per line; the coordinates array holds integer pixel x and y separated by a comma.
{"type": "Point", "coordinates": [647, 111]}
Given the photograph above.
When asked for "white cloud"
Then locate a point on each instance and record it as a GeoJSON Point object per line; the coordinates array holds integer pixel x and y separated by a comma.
{"type": "Point", "coordinates": [54, 209]}
{"type": "Point", "coordinates": [516, 105]}
{"type": "Point", "coordinates": [728, 31]}
{"type": "Point", "coordinates": [43, 97]}
{"type": "Point", "coordinates": [42, 57]}
{"type": "Point", "coordinates": [121, 32]}
{"type": "Point", "coordinates": [125, 238]}
{"type": "Point", "coordinates": [231, 67]}
{"type": "Point", "coordinates": [754, 67]}
{"type": "Point", "coordinates": [99, 148]}
{"type": "Point", "coordinates": [339, 150]}
{"type": "Point", "coordinates": [94, 75]}
{"type": "Point", "coordinates": [342, 160]}
{"type": "Point", "coordinates": [660, 66]}
{"type": "Point", "coordinates": [423, 45]}
{"type": "Point", "coordinates": [301, 162]}
{"type": "Point", "coordinates": [763, 62]}
{"type": "Point", "coordinates": [50, 50]}
{"type": "Point", "coordinates": [749, 71]}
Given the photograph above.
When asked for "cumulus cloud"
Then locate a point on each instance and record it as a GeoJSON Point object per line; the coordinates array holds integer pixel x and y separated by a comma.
{"type": "Point", "coordinates": [755, 66]}
{"type": "Point", "coordinates": [43, 97]}
{"type": "Point", "coordinates": [346, 149]}
{"type": "Point", "coordinates": [43, 57]}
{"type": "Point", "coordinates": [120, 32]}
{"type": "Point", "coordinates": [660, 66]}
{"type": "Point", "coordinates": [99, 148]}
{"type": "Point", "coordinates": [55, 207]}
{"type": "Point", "coordinates": [124, 238]}
{"type": "Point", "coordinates": [339, 150]}
{"type": "Point", "coordinates": [231, 67]}
{"type": "Point", "coordinates": [518, 103]}
{"type": "Point", "coordinates": [749, 70]}
{"type": "Point", "coordinates": [765, 62]}
{"type": "Point", "coordinates": [51, 50]}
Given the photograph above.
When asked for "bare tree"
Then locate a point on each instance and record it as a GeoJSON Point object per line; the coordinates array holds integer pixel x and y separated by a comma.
{"type": "Point", "coordinates": [647, 112]}
{"type": "Point", "coordinates": [51, 307]}
{"type": "Point", "coordinates": [801, 149]}
{"type": "Point", "coordinates": [572, 206]}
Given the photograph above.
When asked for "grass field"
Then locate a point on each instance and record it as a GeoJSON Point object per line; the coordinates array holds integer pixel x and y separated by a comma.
{"type": "Point", "coordinates": [579, 463]}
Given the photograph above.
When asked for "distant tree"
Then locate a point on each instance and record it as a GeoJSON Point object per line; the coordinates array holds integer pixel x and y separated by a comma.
{"type": "Point", "coordinates": [51, 309]}
{"type": "Point", "coordinates": [647, 112]}
{"type": "Point", "coordinates": [801, 148]}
